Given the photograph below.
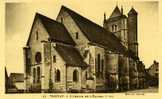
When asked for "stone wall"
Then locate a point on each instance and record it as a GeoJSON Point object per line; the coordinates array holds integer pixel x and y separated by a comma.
{"type": "Point", "coordinates": [59, 64]}
{"type": "Point", "coordinates": [71, 26]}
{"type": "Point", "coordinates": [33, 47]}
{"type": "Point", "coordinates": [112, 70]}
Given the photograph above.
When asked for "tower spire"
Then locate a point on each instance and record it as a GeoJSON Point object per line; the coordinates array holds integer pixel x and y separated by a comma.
{"type": "Point", "coordinates": [122, 10]}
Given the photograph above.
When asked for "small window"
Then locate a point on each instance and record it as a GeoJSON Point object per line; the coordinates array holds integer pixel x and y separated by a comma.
{"type": "Point", "coordinates": [54, 59]}
{"type": "Point", "coordinates": [36, 35]}
{"type": "Point", "coordinates": [77, 35]}
{"type": "Point", "coordinates": [75, 76]}
{"type": "Point", "coordinates": [57, 76]}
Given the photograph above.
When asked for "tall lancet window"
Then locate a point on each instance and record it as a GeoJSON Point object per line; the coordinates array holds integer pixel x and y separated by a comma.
{"type": "Point", "coordinates": [98, 64]}
{"type": "Point", "coordinates": [57, 76]}
{"type": "Point", "coordinates": [38, 74]}
{"type": "Point", "coordinates": [114, 28]}
{"type": "Point", "coordinates": [102, 67]}
{"type": "Point", "coordinates": [76, 35]}
{"type": "Point", "coordinates": [75, 76]}
{"type": "Point", "coordinates": [34, 75]}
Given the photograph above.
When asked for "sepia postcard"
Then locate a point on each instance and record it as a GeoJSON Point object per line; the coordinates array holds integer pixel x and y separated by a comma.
{"type": "Point", "coordinates": [81, 49]}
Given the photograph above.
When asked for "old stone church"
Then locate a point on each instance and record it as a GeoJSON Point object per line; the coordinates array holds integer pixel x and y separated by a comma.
{"type": "Point", "coordinates": [73, 53]}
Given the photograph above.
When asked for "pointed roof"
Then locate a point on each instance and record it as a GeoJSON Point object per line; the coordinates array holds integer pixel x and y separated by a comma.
{"type": "Point", "coordinates": [116, 12]}
{"type": "Point", "coordinates": [56, 30]}
{"type": "Point", "coordinates": [70, 55]}
{"type": "Point", "coordinates": [95, 33]}
{"type": "Point", "coordinates": [132, 12]}
{"type": "Point", "coordinates": [116, 18]}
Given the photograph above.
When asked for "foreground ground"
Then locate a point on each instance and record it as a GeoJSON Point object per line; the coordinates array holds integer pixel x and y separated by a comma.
{"type": "Point", "coordinates": [147, 90]}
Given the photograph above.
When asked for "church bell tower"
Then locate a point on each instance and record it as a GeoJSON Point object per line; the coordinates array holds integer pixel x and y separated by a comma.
{"type": "Point", "coordinates": [132, 31]}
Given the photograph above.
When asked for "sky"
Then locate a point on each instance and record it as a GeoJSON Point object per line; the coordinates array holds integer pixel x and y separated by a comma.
{"type": "Point", "coordinates": [19, 18]}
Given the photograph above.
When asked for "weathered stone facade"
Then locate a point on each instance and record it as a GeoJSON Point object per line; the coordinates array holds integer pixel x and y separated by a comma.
{"type": "Point", "coordinates": [125, 28]}
{"type": "Point", "coordinates": [73, 54]}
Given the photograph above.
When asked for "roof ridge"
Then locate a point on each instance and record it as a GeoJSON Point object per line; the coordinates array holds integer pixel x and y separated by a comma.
{"type": "Point", "coordinates": [64, 7]}
{"type": "Point", "coordinates": [80, 15]}
{"type": "Point", "coordinates": [96, 33]}
{"type": "Point", "coordinates": [52, 26]}
{"type": "Point", "coordinates": [86, 19]}
{"type": "Point", "coordinates": [43, 16]}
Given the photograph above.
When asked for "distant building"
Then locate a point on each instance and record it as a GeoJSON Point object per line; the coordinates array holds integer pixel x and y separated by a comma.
{"type": "Point", "coordinates": [16, 83]}
{"type": "Point", "coordinates": [141, 74]}
{"type": "Point", "coordinates": [153, 74]}
{"type": "Point", "coordinates": [153, 70]}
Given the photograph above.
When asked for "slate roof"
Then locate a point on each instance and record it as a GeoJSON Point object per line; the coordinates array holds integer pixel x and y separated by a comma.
{"type": "Point", "coordinates": [95, 33]}
{"type": "Point", "coordinates": [56, 30]}
{"type": "Point", "coordinates": [17, 77]}
{"type": "Point", "coordinates": [70, 55]}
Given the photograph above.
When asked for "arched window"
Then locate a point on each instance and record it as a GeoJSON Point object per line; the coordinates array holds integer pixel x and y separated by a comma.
{"type": "Point", "coordinates": [38, 74]}
{"type": "Point", "coordinates": [75, 76]}
{"type": "Point", "coordinates": [57, 76]}
{"type": "Point", "coordinates": [34, 75]}
{"type": "Point", "coordinates": [114, 28]}
{"type": "Point", "coordinates": [38, 57]}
